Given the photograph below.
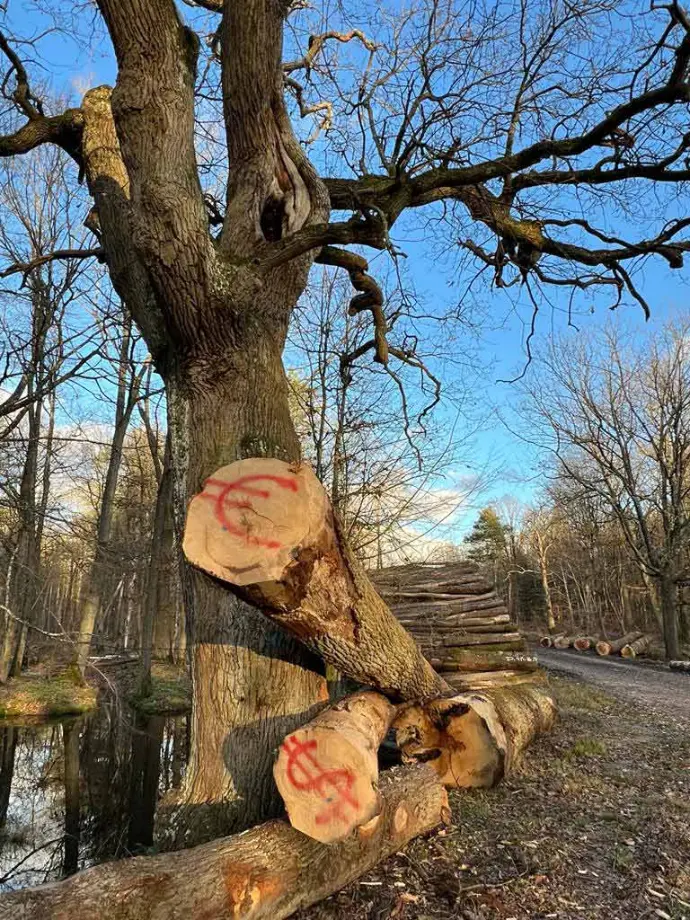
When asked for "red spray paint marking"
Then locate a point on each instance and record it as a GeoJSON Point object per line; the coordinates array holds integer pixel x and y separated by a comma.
{"type": "Point", "coordinates": [332, 785]}
{"type": "Point", "coordinates": [222, 503]}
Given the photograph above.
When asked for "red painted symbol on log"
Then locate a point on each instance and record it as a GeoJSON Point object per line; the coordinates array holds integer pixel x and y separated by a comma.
{"type": "Point", "coordinates": [222, 503]}
{"type": "Point", "coordinates": [333, 786]}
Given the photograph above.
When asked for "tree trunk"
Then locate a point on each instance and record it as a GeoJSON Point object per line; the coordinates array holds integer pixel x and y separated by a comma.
{"type": "Point", "coordinates": [23, 587]}
{"type": "Point", "coordinates": [267, 873]}
{"type": "Point", "coordinates": [253, 684]}
{"type": "Point", "coordinates": [167, 613]}
{"type": "Point", "coordinates": [127, 394]}
{"type": "Point", "coordinates": [669, 614]}
{"type": "Point", "coordinates": [152, 606]}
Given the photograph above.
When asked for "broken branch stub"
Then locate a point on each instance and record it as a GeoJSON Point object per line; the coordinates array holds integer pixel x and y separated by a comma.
{"type": "Point", "coordinates": [267, 529]}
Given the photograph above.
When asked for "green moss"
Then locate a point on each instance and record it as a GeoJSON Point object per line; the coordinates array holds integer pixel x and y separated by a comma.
{"type": "Point", "coordinates": [171, 692]}
{"type": "Point", "coordinates": [587, 747]}
{"type": "Point", "coordinates": [40, 696]}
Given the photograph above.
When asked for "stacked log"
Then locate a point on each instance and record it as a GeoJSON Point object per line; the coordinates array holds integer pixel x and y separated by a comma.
{"type": "Point", "coordinates": [637, 647]}
{"type": "Point", "coordinates": [460, 623]}
{"type": "Point", "coordinates": [612, 648]}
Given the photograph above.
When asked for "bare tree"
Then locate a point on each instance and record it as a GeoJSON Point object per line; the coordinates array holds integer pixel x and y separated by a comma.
{"type": "Point", "coordinates": [483, 112]}
{"type": "Point", "coordinates": [618, 422]}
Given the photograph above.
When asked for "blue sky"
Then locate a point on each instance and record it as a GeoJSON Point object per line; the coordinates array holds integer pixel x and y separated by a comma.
{"type": "Point", "coordinates": [70, 67]}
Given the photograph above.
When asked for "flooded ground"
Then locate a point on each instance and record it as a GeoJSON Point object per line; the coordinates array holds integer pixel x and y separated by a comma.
{"type": "Point", "coordinates": [76, 792]}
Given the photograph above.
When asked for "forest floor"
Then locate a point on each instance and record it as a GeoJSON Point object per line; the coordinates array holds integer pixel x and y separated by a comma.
{"type": "Point", "coordinates": [37, 694]}
{"type": "Point", "coordinates": [44, 693]}
{"type": "Point", "coordinates": [594, 826]}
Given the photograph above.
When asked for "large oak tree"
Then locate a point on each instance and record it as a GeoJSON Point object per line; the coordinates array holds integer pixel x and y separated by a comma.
{"type": "Point", "coordinates": [516, 125]}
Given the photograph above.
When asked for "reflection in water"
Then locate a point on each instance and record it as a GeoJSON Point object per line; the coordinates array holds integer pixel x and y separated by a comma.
{"type": "Point", "coordinates": [77, 792]}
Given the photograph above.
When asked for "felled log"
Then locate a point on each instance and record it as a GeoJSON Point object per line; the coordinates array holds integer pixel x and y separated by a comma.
{"type": "Point", "coordinates": [584, 643]}
{"type": "Point", "coordinates": [458, 607]}
{"type": "Point", "coordinates": [440, 634]}
{"type": "Point", "coordinates": [327, 771]}
{"type": "Point", "coordinates": [467, 640]}
{"type": "Point", "coordinates": [452, 622]}
{"type": "Point", "coordinates": [546, 641]}
{"type": "Point", "coordinates": [266, 529]}
{"type": "Point", "coordinates": [638, 647]}
{"type": "Point", "coordinates": [483, 660]}
{"type": "Point", "coordinates": [269, 871]}
{"type": "Point", "coordinates": [683, 666]}
{"type": "Point", "coordinates": [611, 648]}
{"type": "Point", "coordinates": [563, 642]}
{"type": "Point", "coordinates": [473, 739]}
{"type": "Point", "coordinates": [487, 680]}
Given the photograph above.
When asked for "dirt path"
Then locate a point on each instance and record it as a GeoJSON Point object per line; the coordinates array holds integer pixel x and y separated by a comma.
{"type": "Point", "coordinates": [654, 687]}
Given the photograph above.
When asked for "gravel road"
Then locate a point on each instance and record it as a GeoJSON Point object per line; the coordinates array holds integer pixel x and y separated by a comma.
{"type": "Point", "coordinates": [652, 686]}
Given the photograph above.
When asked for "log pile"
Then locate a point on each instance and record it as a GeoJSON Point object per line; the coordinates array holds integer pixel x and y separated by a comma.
{"type": "Point", "coordinates": [630, 645]}
{"type": "Point", "coordinates": [460, 623]}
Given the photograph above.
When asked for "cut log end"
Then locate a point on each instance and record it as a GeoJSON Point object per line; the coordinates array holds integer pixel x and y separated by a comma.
{"type": "Point", "coordinates": [472, 739]}
{"type": "Point", "coordinates": [246, 523]}
{"type": "Point", "coordinates": [461, 738]}
{"type": "Point", "coordinates": [327, 771]}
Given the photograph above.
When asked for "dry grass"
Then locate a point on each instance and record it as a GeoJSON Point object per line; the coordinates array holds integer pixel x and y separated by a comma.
{"type": "Point", "coordinates": [39, 696]}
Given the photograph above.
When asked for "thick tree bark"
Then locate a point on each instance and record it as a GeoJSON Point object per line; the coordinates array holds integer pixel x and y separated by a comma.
{"type": "Point", "coordinates": [267, 873]}
{"type": "Point", "coordinates": [669, 613]}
